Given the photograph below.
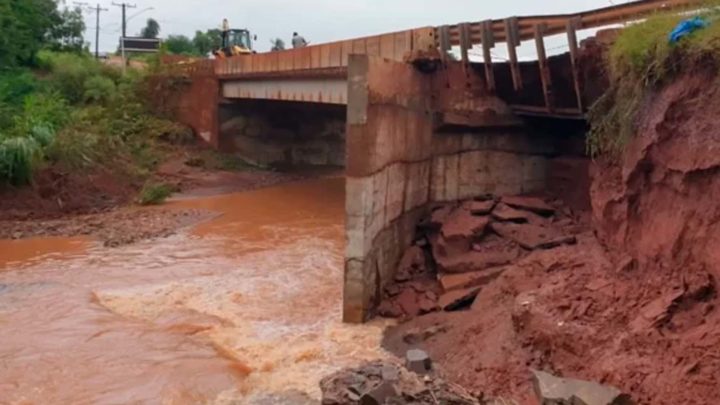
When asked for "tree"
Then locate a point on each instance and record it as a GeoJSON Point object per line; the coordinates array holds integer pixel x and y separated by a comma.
{"type": "Point", "coordinates": [180, 45]}
{"type": "Point", "coordinates": [25, 27]}
{"type": "Point", "coordinates": [151, 30]}
{"type": "Point", "coordinates": [277, 45]}
{"type": "Point", "coordinates": [202, 43]}
{"type": "Point", "coordinates": [67, 34]}
{"type": "Point", "coordinates": [207, 41]}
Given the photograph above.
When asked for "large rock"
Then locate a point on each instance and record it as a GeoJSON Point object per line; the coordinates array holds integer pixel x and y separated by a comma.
{"type": "Point", "coordinates": [418, 361]}
{"type": "Point", "coordinates": [438, 217]}
{"type": "Point", "coordinates": [479, 207]}
{"type": "Point", "coordinates": [532, 236]}
{"type": "Point", "coordinates": [379, 394]}
{"type": "Point", "coordinates": [530, 204]}
{"type": "Point", "coordinates": [460, 229]}
{"type": "Point", "coordinates": [413, 262]}
{"type": "Point", "coordinates": [473, 261]}
{"type": "Point", "coordinates": [458, 299]}
{"type": "Point", "coordinates": [450, 282]}
{"type": "Point", "coordinates": [504, 212]}
{"type": "Point", "coordinates": [384, 382]}
{"type": "Point", "coordinates": [551, 390]}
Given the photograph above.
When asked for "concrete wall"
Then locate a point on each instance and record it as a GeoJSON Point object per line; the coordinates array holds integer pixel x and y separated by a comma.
{"type": "Point", "coordinates": [284, 133]}
{"type": "Point", "coordinates": [398, 163]}
{"type": "Point", "coordinates": [197, 106]}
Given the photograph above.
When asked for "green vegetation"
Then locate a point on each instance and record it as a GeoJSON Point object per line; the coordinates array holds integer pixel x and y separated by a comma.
{"type": "Point", "coordinates": [200, 45]}
{"type": "Point", "coordinates": [61, 108]}
{"type": "Point", "coordinates": [153, 194]}
{"type": "Point", "coordinates": [151, 30]}
{"type": "Point", "coordinates": [640, 61]}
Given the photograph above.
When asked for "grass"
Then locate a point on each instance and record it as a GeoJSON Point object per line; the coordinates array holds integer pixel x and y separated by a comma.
{"type": "Point", "coordinates": [154, 193]}
{"type": "Point", "coordinates": [643, 60]}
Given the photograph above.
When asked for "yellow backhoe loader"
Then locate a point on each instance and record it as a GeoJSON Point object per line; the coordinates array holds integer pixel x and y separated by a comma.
{"type": "Point", "coordinates": [234, 42]}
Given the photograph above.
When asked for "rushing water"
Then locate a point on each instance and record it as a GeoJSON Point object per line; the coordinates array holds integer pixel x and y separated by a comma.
{"type": "Point", "coordinates": [236, 310]}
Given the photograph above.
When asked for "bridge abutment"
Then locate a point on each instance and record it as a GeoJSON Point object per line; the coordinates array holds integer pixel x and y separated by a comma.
{"type": "Point", "coordinates": [411, 143]}
{"type": "Point", "coordinates": [280, 133]}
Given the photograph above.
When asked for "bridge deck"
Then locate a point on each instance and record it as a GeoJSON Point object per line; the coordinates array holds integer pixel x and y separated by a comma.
{"type": "Point", "coordinates": [317, 73]}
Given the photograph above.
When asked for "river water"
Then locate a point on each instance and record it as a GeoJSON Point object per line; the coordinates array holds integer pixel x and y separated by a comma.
{"type": "Point", "coordinates": [245, 308]}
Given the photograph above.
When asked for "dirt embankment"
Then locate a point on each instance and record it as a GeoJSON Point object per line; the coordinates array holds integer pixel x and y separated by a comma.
{"type": "Point", "coordinates": [634, 303]}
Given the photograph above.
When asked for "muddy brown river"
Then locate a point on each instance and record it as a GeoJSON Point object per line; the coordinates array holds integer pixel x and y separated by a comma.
{"type": "Point", "coordinates": [245, 308]}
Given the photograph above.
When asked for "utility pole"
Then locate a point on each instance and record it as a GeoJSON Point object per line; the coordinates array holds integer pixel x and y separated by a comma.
{"type": "Point", "coordinates": [97, 9]}
{"type": "Point", "coordinates": [124, 7]}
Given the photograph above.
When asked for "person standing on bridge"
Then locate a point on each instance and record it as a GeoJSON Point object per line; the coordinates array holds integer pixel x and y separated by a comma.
{"type": "Point", "coordinates": [225, 32]}
{"type": "Point", "coordinates": [298, 41]}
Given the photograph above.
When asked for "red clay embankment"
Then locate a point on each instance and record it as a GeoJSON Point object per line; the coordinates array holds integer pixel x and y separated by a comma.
{"type": "Point", "coordinates": [634, 303]}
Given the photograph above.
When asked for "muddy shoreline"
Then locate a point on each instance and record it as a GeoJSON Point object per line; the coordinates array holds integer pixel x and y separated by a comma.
{"type": "Point", "coordinates": [109, 214]}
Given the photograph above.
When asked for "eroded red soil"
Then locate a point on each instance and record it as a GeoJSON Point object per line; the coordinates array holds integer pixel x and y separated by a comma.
{"type": "Point", "coordinates": [634, 303]}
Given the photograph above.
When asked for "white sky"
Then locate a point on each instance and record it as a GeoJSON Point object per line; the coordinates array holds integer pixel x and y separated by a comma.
{"type": "Point", "coordinates": [317, 20]}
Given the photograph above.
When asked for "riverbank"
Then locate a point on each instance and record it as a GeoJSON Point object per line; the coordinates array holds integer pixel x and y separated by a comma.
{"type": "Point", "coordinates": [104, 207]}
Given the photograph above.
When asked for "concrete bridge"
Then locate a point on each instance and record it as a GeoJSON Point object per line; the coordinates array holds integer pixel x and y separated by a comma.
{"type": "Point", "coordinates": [412, 125]}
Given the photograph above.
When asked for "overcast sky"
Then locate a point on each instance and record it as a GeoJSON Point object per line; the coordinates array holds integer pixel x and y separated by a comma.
{"type": "Point", "coordinates": [317, 20]}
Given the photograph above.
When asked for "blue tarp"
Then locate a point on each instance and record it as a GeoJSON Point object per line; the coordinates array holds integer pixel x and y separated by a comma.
{"type": "Point", "coordinates": [686, 27]}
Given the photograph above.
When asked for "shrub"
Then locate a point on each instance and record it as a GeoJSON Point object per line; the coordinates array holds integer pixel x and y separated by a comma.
{"type": "Point", "coordinates": [15, 85]}
{"type": "Point", "coordinates": [99, 89]}
{"type": "Point", "coordinates": [44, 109]}
{"type": "Point", "coordinates": [19, 157]}
{"type": "Point", "coordinates": [69, 72]}
{"type": "Point", "coordinates": [74, 149]}
{"type": "Point", "coordinates": [152, 193]}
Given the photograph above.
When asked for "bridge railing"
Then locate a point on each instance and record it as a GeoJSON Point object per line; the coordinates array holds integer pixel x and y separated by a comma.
{"type": "Point", "coordinates": [331, 56]}
{"type": "Point", "coordinates": [512, 31]}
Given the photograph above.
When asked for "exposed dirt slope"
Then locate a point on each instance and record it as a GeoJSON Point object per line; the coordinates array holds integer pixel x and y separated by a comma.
{"type": "Point", "coordinates": [634, 306]}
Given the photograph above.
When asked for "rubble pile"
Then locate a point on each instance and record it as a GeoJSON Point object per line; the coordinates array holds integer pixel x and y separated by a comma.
{"type": "Point", "coordinates": [382, 382]}
{"type": "Point", "coordinates": [461, 247]}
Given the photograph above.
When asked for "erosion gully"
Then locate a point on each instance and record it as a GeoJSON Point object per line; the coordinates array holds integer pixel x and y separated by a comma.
{"type": "Point", "coordinates": [240, 309]}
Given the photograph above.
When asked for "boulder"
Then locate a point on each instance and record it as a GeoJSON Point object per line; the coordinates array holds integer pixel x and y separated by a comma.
{"type": "Point", "coordinates": [438, 217]}
{"type": "Point", "coordinates": [458, 299]}
{"type": "Point", "coordinates": [418, 361]}
{"type": "Point", "coordinates": [479, 207]}
{"type": "Point", "coordinates": [375, 382]}
{"type": "Point", "coordinates": [413, 262]}
{"type": "Point", "coordinates": [529, 204]}
{"type": "Point", "coordinates": [460, 229]}
{"type": "Point", "coordinates": [389, 309]}
{"type": "Point", "coordinates": [462, 224]}
{"type": "Point", "coordinates": [426, 304]}
{"type": "Point", "coordinates": [450, 282]}
{"type": "Point", "coordinates": [379, 394]}
{"type": "Point", "coordinates": [504, 212]}
{"type": "Point", "coordinates": [408, 302]}
{"type": "Point", "coordinates": [531, 236]}
{"type": "Point", "coordinates": [474, 261]}
{"type": "Point", "coordinates": [551, 390]}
